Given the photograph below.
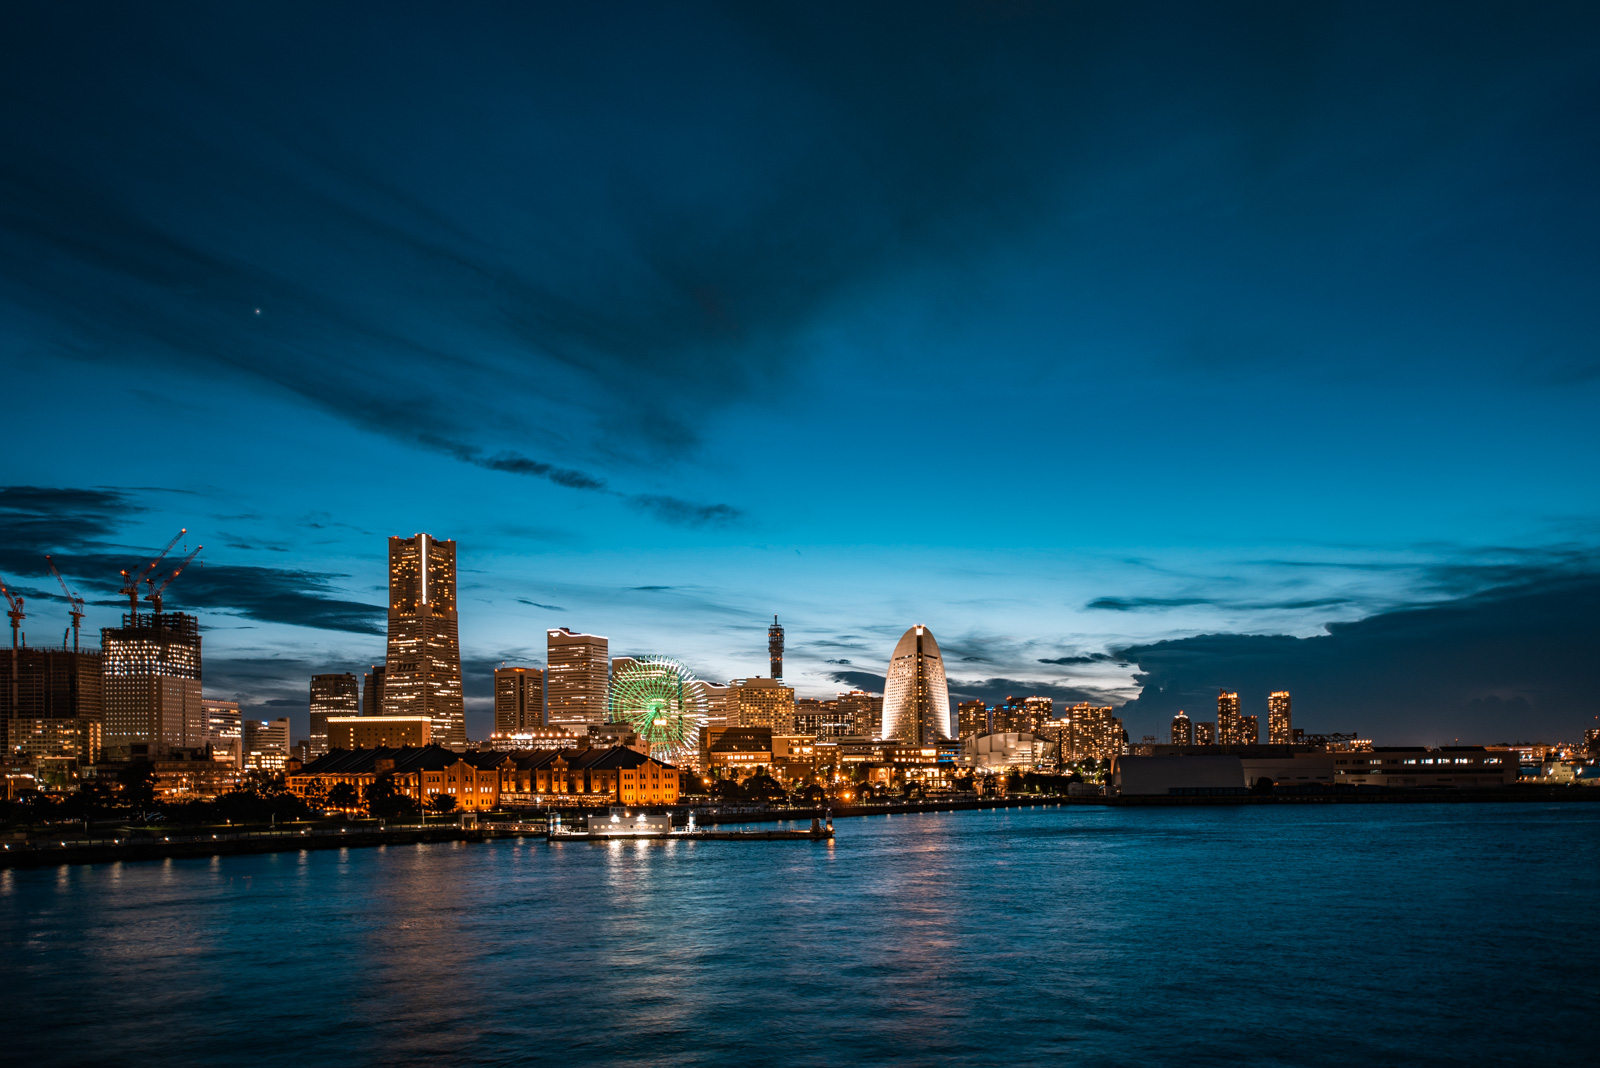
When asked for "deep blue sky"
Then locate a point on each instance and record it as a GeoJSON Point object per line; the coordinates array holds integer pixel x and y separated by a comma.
{"type": "Point", "coordinates": [1136, 350]}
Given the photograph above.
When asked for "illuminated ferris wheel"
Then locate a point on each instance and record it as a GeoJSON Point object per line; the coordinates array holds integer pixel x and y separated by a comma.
{"type": "Point", "coordinates": [664, 704]}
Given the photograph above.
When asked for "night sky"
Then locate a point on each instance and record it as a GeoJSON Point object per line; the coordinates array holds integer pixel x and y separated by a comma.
{"type": "Point", "coordinates": [1137, 351]}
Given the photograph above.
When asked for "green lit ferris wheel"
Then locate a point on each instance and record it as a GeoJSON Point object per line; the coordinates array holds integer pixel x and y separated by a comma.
{"type": "Point", "coordinates": [664, 704]}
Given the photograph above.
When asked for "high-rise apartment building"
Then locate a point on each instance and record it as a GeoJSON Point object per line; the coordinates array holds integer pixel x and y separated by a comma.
{"type": "Point", "coordinates": [1249, 730]}
{"type": "Point", "coordinates": [1280, 724]}
{"type": "Point", "coordinates": [1227, 718]}
{"type": "Point", "coordinates": [151, 667]}
{"type": "Point", "coordinates": [518, 699]}
{"type": "Point", "coordinates": [1036, 712]}
{"type": "Point", "coordinates": [422, 675]}
{"type": "Point", "coordinates": [1090, 731]}
{"type": "Point", "coordinates": [372, 692]}
{"type": "Point", "coordinates": [1182, 729]}
{"type": "Point", "coordinates": [718, 701]}
{"type": "Point", "coordinates": [1205, 733]}
{"type": "Point", "coordinates": [576, 679]}
{"type": "Point", "coordinates": [224, 730]}
{"type": "Point", "coordinates": [972, 719]}
{"type": "Point", "coordinates": [762, 703]}
{"type": "Point", "coordinates": [775, 648]}
{"type": "Point", "coordinates": [331, 695]}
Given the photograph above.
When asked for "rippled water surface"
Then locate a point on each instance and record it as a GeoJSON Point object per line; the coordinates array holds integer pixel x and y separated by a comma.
{"type": "Point", "coordinates": [1419, 934]}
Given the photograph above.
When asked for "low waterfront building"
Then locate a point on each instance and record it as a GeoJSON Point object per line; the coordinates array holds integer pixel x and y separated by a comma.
{"type": "Point", "coordinates": [1453, 766]}
{"type": "Point", "coordinates": [617, 775]}
{"type": "Point", "coordinates": [735, 752]}
{"type": "Point", "coordinates": [1005, 749]}
{"type": "Point", "coordinates": [474, 780]}
{"type": "Point", "coordinates": [532, 738]}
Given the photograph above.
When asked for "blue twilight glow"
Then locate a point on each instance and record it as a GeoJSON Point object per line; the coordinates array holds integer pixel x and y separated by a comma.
{"type": "Point", "coordinates": [1130, 350]}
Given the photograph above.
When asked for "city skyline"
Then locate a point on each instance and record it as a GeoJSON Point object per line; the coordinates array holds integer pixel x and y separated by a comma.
{"type": "Point", "coordinates": [1215, 323]}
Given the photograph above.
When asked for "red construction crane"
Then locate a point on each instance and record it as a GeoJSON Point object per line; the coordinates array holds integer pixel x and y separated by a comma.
{"type": "Point", "coordinates": [131, 580]}
{"type": "Point", "coordinates": [74, 602]}
{"type": "Point", "coordinates": [17, 615]}
{"type": "Point", "coordinates": [154, 596]}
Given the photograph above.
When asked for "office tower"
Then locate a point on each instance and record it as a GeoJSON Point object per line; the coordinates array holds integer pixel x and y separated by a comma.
{"type": "Point", "coordinates": [1280, 724]}
{"type": "Point", "coordinates": [1249, 730]}
{"type": "Point", "coordinates": [916, 698]}
{"type": "Point", "coordinates": [762, 703]}
{"type": "Point", "coordinates": [151, 666]}
{"type": "Point", "coordinates": [52, 685]}
{"type": "Point", "coordinates": [1182, 729]}
{"type": "Point", "coordinates": [1205, 733]}
{"type": "Point", "coordinates": [718, 701]}
{"type": "Point", "coordinates": [775, 648]}
{"type": "Point", "coordinates": [518, 699]}
{"type": "Point", "coordinates": [422, 675]}
{"type": "Point", "coordinates": [865, 711]}
{"type": "Point", "coordinates": [821, 719]}
{"type": "Point", "coordinates": [224, 730]}
{"type": "Point", "coordinates": [266, 745]}
{"type": "Point", "coordinates": [576, 679]}
{"type": "Point", "coordinates": [1227, 718]}
{"type": "Point", "coordinates": [331, 695]}
{"type": "Point", "coordinates": [972, 718]}
{"type": "Point", "coordinates": [372, 692]}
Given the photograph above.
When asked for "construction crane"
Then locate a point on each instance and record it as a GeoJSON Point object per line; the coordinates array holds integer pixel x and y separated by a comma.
{"type": "Point", "coordinates": [74, 602]}
{"type": "Point", "coordinates": [131, 580]}
{"type": "Point", "coordinates": [14, 605]}
{"type": "Point", "coordinates": [154, 596]}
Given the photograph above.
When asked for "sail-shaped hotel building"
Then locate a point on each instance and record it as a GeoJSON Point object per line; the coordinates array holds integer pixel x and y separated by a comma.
{"type": "Point", "coordinates": [916, 697]}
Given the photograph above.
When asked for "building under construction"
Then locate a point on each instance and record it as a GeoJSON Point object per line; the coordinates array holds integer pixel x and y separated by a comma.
{"type": "Point", "coordinates": [152, 681]}
{"type": "Point", "coordinates": [55, 688]}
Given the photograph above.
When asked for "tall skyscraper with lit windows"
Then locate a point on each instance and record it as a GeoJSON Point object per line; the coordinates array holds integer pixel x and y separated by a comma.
{"type": "Point", "coordinates": [916, 697]}
{"type": "Point", "coordinates": [422, 674]}
{"type": "Point", "coordinates": [518, 699]}
{"type": "Point", "coordinates": [577, 677]}
{"type": "Point", "coordinates": [1227, 717]}
{"type": "Point", "coordinates": [1280, 724]}
{"type": "Point", "coordinates": [331, 695]}
{"type": "Point", "coordinates": [1182, 729]}
{"type": "Point", "coordinates": [151, 686]}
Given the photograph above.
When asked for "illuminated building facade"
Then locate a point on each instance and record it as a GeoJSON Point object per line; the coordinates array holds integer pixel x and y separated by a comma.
{"type": "Point", "coordinates": [916, 698]}
{"type": "Point", "coordinates": [1280, 724]}
{"type": "Point", "coordinates": [52, 684]}
{"type": "Point", "coordinates": [474, 780]}
{"type": "Point", "coordinates": [737, 752]}
{"type": "Point", "coordinates": [1205, 733]}
{"type": "Point", "coordinates": [775, 648]}
{"type": "Point", "coordinates": [764, 703]}
{"type": "Point", "coordinates": [1398, 767]}
{"type": "Point", "coordinates": [331, 695]}
{"type": "Point", "coordinates": [972, 719]}
{"type": "Point", "coordinates": [1249, 730]}
{"type": "Point", "coordinates": [224, 730]}
{"type": "Point", "coordinates": [1090, 731]}
{"type": "Point", "coordinates": [576, 679]}
{"type": "Point", "coordinates": [422, 675]}
{"type": "Point", "coordinates": [864, 709]}
{"type": "Point", "coordinates": [377, 732]}
{"type": "Point", "coordinates": [518, 699]}
{"type": "Point", "coordinates": [1227, 718]}
{"type": "Point", "coordinates": [1182, 729]}
{"type": "Point", "coordinates": [151, 688]}
{"type": "Point", "coordinates": [821, 719]}
{"type": "Point", "coordinates": [266, 744]}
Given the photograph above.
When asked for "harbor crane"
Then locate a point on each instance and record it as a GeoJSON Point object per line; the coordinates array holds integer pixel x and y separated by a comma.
{"type": "Point", "coordinates": [14, 610]}
{"type": "Point", "coordinates": [131, 580]}
{"type": "Point", "coordinates": [74, 602]}
{"type": "Point", "coordinates": [154, 596]}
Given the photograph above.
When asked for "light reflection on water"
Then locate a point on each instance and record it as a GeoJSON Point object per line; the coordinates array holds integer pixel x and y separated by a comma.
{"type": "Point", "coordinates": [1031, 936]}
